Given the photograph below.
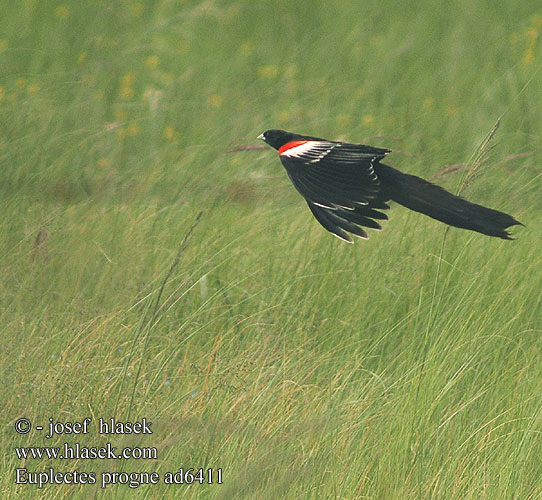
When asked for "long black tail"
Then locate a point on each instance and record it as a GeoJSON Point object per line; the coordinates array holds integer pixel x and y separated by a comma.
{"type": "Point", "coordinates": [427, 198]}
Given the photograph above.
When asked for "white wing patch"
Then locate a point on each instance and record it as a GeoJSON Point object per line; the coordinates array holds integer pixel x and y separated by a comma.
{"type": "Point", "coordinates": [312, 151]}
{"type": "Point", "coordinates": [322, 154]}
{"type": "Point", "coordinates": [345, 154]}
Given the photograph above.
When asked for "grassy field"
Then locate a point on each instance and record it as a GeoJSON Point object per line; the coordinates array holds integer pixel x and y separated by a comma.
{"type": "Point", "coordinates": [148, 271]}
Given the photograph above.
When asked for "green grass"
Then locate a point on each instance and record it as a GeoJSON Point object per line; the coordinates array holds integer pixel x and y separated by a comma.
{"type": "Point", "coordinates": [403, 367]}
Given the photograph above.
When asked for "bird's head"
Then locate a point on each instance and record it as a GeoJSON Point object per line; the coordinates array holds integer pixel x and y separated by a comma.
{"type": "Point", "coordinates": [277, 138]}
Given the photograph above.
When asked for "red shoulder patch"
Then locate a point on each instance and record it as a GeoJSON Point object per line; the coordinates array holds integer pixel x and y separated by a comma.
{"type": "Point", "coordinates": [290, 145]}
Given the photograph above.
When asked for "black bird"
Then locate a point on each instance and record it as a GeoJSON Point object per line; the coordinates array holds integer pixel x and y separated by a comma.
{"type": "Point", "coordinates": [346, 187]}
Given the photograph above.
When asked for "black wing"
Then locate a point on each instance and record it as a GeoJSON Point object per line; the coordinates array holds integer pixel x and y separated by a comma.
{"type": "Point", "coordinates": [340, 221]}
{"type": "Point", "coordinates": [339, 184]}
{"type": "Point", "coordinates": [334, 174]}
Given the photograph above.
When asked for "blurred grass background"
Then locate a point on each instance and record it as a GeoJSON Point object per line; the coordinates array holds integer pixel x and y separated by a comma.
{"type": "Point", "coordinates": [405, 367]}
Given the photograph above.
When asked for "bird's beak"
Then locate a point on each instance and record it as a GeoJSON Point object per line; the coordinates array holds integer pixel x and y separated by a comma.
{"type": "Point", "coordinates": [261, 137]}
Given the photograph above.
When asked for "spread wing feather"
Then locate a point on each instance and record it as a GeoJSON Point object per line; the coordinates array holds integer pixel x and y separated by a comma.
{"type": "Point", "coordinates": [336, 224]}
{"type": "Point", "coordinates": [341, 172]}
{"type": "Point", "coordinates": [339, 184]}
{"type": "Point", "coordinates": [322, 217]}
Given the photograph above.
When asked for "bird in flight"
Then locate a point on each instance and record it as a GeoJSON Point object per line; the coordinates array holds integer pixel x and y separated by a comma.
{"type": "Point", "coordinates": [346, 188]}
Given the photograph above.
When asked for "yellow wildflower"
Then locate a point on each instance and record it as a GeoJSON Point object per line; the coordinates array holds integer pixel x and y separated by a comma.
{"type": "Point", "coordinates": [62, 12]}
{"type": "Point", "coordinates": [120, 115]}
{"type": "Point", "coordinates": [528, 56]}
{"type": "Point", "coordinates": [169, 133]}
{"type": "Point", "coordinates": [183, 46]}
{"type": "Point", "coordinates": [246, 48]}
{"type": "Point", "coordinates": [358, 48]}
{"type": "Point", "coordinates": [216, 100]}
{"type": "Point", "coordinates": [269, 71]}
{"type": "Point", "coordinates": [167, 78]}
{"type": "Point", "coordinates": [532, 32]}
{"type": "Point", "coordinates": [368, 120]}
{"type": "Point", "coordinates": [127, 92]}
{"type": "Point", "coordinates": [137, 9]}
{"type": "Point", "coordinates": [152, 61]}
{"type": "Point", "coordinates": [428, 103]}
{"type": "Point", "coordinates": [128, 79]}
{"type": "Point", "coordinates": [132, 129]}
{"type": "Point", "coordinates": [290, 70]}
{"type": "Point", "coordinates": [360, 92]}
{"type": "Point", "coordinates": [284, 116]}
{"type": "Point", "coordinates": [344, 120]}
